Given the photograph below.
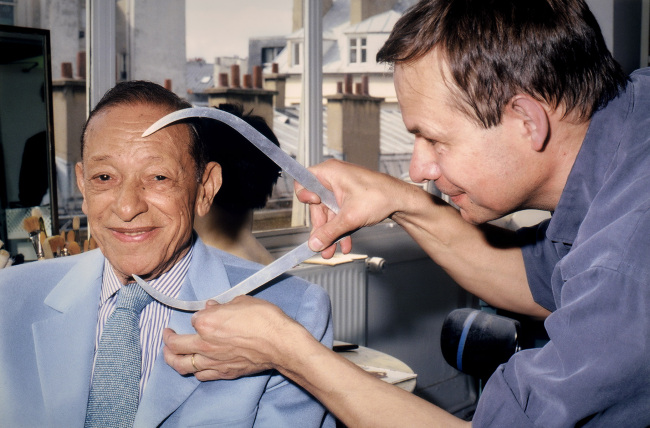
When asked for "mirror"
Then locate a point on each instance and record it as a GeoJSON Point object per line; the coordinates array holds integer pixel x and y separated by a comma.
{"type": "Point", "coordinates": [27, 176]}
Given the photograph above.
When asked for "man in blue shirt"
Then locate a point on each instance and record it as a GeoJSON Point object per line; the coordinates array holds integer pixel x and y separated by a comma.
{"type": "Point", "coordinates": [514, 104]}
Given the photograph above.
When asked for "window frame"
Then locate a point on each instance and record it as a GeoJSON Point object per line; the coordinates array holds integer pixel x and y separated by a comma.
{"type": "Point", "coordinates": [358, 50]}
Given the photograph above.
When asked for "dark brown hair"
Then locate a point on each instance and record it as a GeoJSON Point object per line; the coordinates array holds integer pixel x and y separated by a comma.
{"type": "Point", "coordinates": [552, 50]}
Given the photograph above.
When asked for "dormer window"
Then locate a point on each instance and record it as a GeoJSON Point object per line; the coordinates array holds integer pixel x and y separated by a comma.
{"type": "Point", "coordinates": [269, 54]}
{"type": "Point", "coordinates": [358, 51]}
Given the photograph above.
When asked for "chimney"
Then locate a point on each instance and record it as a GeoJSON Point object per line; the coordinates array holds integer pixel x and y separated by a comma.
{"type": "Point", "coordinates": [223, 80]}
{"type": "Point", "coordinates": [234, 76]}
{"type": "Point", "coordinates": [81, 65]}
{"type": "Point", "coordinates": [168, 84]}
{"type": "Point", "coordinates": [69, 114]}
{"type": "Point", "coordinates": [347, 89]}
{"type": "Point", "coordinates": [297, 19]}
{"type": "Point", "coordinates": [248, 93]}
{"type": "Point", "coordinates": [360, 10]}
{"type": "Point", "coordinates": [257, 77]}
{"type": "Point", "coordinates": [248, 81]}
{"type": "Point", "coordinates": [66, 70]}
{"type": "Point", "coordinates": [277, 83]}
{"type": "Point", "coordinates": [353, 124]}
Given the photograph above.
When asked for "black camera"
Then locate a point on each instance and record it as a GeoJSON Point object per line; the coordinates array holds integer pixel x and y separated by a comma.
{"type": "Point", "coordinates": [477, 342]}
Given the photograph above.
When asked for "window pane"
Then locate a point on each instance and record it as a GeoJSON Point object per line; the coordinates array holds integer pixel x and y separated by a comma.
{"type": "Point", "coordinates": [252, 34]}
{"type": "Point", "coordinates": [268, 54]}
{"type": "Point", "coordinates": [197, 56]}
{"type": "Point", "coordinates": [6, 13]}
{"type": "Point", "coordinates": [296, 54]}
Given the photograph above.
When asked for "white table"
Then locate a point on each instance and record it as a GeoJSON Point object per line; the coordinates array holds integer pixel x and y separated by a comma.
{"type": "Point", "coordinates": [371, 357]}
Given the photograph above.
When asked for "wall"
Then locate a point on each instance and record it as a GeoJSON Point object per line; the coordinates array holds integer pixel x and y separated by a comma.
{"type": "Point", "coordinates": [156, 37]}
{"type": "Point", "coordinates": [620, 23]}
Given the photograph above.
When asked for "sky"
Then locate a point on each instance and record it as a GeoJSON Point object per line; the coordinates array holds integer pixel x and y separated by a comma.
{"type": "Point", "coordinates": [222, 27]}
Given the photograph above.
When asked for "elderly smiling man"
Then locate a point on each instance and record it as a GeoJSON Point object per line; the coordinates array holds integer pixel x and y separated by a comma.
{"type": "Point", "coordinates": [60, 320]}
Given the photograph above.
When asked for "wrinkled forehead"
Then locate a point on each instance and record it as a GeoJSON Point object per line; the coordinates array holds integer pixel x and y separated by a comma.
{"type": "Point", "coordinates": [132, 113]}
{"type": "Point", "coordinates": [125, 123]}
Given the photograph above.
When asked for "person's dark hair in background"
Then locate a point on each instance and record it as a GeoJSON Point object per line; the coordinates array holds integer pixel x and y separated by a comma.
{"type": "Point", "coordinates": [555, 52]}
{"type": "Point", "coordinates": [248, 177]}
{"type": "Point", "coordinates": [248, 174]}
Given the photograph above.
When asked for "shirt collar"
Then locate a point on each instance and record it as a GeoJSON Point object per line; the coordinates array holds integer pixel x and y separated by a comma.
{"type": "Point", "coordinates": [590, 168]}
{"type": "Point", "coordinates": [169, 282]}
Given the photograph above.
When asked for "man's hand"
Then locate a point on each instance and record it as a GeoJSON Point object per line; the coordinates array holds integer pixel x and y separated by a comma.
{"type": "Point", "coordinates": [235, 339]}
{"type": "Point", "coordinates": [364, 197]}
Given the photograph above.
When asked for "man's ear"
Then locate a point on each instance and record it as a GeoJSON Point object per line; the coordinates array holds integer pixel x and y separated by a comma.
{"type": "Point", "coordinates": [79, 173]}
{"type": "Point", "coordinates": [210, 185]}
{"type": "Point", "coordinates": [534, 119]}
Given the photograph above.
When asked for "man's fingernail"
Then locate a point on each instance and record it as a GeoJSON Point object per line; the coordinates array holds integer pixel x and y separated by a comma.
{"type": "Point", "coordinates": [315, 244]}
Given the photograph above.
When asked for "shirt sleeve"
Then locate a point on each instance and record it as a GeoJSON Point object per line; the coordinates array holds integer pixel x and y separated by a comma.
{"type": "Point", "coordinates": [540, 257]}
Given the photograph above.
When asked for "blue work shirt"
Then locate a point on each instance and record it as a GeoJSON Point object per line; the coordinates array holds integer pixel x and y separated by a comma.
{"type": "Point", "coordinates": [590, 265]}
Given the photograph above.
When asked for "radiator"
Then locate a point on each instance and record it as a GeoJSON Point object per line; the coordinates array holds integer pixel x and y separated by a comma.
{"type": "Point", "coordinates": [347, 285]}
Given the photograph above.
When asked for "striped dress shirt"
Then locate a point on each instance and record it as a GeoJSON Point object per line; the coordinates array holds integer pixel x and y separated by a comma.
{"type": "Point", "coordinates": [154, 317]}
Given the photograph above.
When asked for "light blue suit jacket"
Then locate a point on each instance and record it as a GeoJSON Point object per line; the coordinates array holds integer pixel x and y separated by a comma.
{"type": "Point", "coordinates": [48, 317]}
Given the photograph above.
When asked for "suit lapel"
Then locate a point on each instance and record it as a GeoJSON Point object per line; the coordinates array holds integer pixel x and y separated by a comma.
{"type": "Point", "coordinates": [167, 390]}
{"type": "Point", "coordinates": [65, 342]}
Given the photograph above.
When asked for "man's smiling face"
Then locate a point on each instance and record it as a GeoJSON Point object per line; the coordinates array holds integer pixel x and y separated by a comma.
{"type": "Point", "coordinates": [487, 172]}
{"type": "Point", "coordinates": [139, 193]}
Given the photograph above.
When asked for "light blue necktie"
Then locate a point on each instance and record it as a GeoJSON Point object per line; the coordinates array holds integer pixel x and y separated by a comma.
{"type": "Point", "coordinates": [115, 389]}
